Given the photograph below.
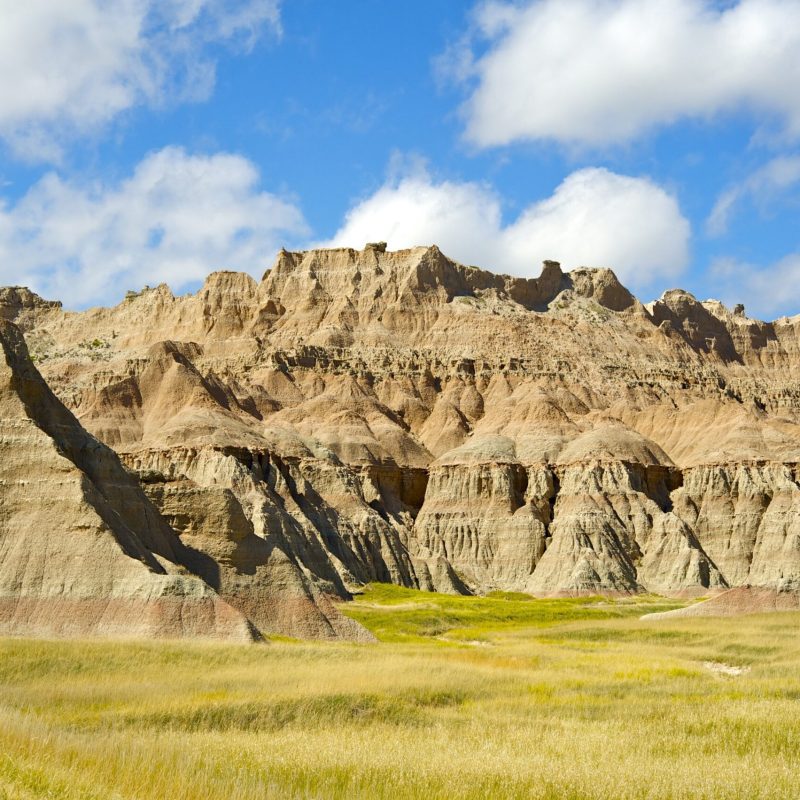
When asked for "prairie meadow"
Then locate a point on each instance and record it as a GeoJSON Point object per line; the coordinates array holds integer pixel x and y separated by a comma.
{"type": "Point", "coordinates": [503, 696]}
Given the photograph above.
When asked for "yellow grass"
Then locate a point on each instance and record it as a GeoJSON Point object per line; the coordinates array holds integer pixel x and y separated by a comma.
{"type": "Point", "coordinates": [576, 699]}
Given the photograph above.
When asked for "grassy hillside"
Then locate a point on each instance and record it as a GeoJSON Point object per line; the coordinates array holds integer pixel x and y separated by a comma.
{"type": "Point", "coordinates": [463, 698]}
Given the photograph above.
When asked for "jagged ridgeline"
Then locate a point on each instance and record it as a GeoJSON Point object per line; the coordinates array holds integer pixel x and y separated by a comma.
{"type": "Point", "coordinates": [236, 461]}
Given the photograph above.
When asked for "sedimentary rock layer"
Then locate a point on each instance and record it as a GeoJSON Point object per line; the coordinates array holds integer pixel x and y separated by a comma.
{"type": "Point", "coordinates": [84, 552]}
{"type": "Point", "coordinates": [396, 416]}
{"type": "Point", "coordinates": [81, 549]}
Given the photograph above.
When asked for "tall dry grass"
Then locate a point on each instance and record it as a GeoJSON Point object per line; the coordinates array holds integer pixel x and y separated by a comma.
{"type": "Point", "coordinates": [567, 700]}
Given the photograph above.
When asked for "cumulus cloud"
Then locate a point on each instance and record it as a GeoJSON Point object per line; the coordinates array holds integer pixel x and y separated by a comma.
{"type": "Point", "coordinates": [767, 292]}
{"type": "Point", "coordinates": [594, 72]}
{"type": "Point", "coordinates": [68, 67]}
{"type": "Point", "coordinates": [762, 186]}
{"type": "Point", "coordinates": [594, 218]}
{"type": "Point", "coordinates": [175, 219]}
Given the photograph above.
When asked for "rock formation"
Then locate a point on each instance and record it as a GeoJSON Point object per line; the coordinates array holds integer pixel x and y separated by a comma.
{"type": "Point", "coordinates": [396, 416]}
{"type": "Point", "coordinates": [81, 548]}
{"type": "Point", "coordinates": [84, 552]}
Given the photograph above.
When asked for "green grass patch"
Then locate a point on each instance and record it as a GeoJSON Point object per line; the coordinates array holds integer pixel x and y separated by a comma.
{"type": "Point", "coordinates": [396, 614]}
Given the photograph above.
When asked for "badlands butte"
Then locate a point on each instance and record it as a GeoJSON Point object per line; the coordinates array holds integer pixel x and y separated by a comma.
{"type": "Point", "coordinates": [236, 462]}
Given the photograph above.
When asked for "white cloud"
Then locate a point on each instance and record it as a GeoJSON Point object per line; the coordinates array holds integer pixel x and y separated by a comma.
{"type": "Point", "coordinates": [604, 71]}
{"type": "Point", "coordinates": [767, 292]}
{"type": "Point", "coordinates": [762, 186]}
{"type": "Point", "coordinates": [67, 67]}
{"type": "Point", "coordinates": [175, 219]}
{"type": "Point", "coordinates": [594, 218]}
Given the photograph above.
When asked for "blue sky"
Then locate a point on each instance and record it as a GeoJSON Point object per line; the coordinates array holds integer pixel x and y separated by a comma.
{"type": "Point", "coordinates": [145, 141]}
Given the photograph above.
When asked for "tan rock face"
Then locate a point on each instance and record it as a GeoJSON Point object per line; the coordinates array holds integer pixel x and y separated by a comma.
{"type": "Point", "coordinates": [488, 521]}
{"type": "Point", "coordinates": [84, 552]}
{"type": "Point", "coordinates": [396, 416]}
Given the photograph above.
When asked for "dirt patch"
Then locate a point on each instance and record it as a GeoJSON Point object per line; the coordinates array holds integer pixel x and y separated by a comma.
{"type": "Point", "coordinates": [719, 668]}
{"type": "Point", "coordinates": [735, 602]}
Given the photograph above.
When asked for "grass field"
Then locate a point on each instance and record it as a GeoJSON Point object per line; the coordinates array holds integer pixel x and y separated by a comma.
{"type": "Point", "coordinates": [503, 697]}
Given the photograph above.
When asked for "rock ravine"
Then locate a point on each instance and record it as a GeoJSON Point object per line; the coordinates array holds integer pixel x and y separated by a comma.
{"type": "Point", "coordinates": [238, 461]}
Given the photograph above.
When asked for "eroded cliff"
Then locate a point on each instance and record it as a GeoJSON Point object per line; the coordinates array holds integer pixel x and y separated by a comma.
{"type": "Point", "coordinates": [396, 416]}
